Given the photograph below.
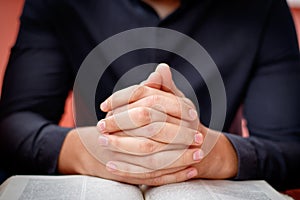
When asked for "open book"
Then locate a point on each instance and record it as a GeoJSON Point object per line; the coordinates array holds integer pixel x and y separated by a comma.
{"type": "Point", "coordinates": [85, 187]}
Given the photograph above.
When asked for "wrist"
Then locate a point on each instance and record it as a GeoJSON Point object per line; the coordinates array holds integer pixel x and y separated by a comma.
{"type": "Point", "coordinates": [229, 157]}
{"type": "Point", "coordinates": [69, 157]}
{"type": "Point", "coordinates": [220, 163]}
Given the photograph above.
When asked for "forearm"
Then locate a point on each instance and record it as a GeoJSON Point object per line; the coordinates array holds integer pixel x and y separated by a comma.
{"type": "Point", "coordinates": [274, 161]}
{"type": "Point", "coordinates": [30, 144]}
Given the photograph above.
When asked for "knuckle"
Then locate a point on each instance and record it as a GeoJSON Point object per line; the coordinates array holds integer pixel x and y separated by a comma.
{"type": "Point", "coordinates": [157, 181]}
{"type": "Point", "coordinates": [137, 93]}
{"type": "Point", "coordinates": [186, 139]}
{"type": "Point", "coordinates": [153, 100]}
{"type": "Point", "coordinates": [150, 175]}
{"type": "Point", "coordinates": [115, 143]}
{"type": "Point", "coordinates": [147, 146]}
{"type": "Point", "coordinates": [150, 129]}
{"type": "Point", "coordinates": [186, 157]}
{"type": "Point", "coordinates": [126, 171]}
{"type": "Point", "coordinates": [108, 103]}
{"type": "Point", "coordinates": [147, 176]}
{"type": "Point", "coordinates": [153, 162]}
{"type": "Point", "coordinates": [153, 129]}
{"type": "Point", "coordinates": [111, 123]}
{"type": "Point", "coordinates": [186, 124]}
{"type": "Point", "coordinates": [178, 108]}
{"type": "Point", "coordinates": [177, 178]}
{"type": "Point", "coordinates": [142, 115]}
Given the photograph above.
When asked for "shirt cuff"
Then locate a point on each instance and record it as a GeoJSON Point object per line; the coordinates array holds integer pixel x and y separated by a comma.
{"type": "Point", "coordinates": [247, 159]}
{"type": "Point", "coordinates": [51, 143]}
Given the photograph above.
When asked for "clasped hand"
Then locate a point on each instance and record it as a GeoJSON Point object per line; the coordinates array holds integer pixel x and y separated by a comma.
{"type": "Point", "coordinates": [151, 130]}
{"type": "Point", "coordinates": [151, 135]}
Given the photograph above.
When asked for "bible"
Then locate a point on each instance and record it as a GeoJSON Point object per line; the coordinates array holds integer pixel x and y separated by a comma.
{"type": "Point", "coordinates": [84, 187]}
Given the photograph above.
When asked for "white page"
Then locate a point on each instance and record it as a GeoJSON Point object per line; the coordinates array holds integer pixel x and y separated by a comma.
{"type": "Point", "coordinates": [214, 189]}
{"type": "Point", "coordinates": [66, 187]}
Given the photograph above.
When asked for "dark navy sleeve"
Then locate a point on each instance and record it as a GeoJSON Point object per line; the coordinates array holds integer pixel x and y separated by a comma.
{"type": "Point", "coordinates": [35, 87]}
{"type": "Point", "coordinates": [272, 106]}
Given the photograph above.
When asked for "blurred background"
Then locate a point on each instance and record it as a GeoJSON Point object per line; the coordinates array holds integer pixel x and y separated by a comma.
{"type": "Point", "coordinates": [10, 11]}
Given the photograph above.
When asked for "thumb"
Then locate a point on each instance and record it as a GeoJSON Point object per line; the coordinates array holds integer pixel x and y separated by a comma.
{"type": "Point", "coordinates": [154, 81]}
{"type": "Point", "coordinates": [167, 83]}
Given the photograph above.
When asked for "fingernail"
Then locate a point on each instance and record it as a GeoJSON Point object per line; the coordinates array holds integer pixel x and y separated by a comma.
{"type": "Point", "coordinates": [198, 155]}
{"type": "Point", "coordinates": [192, 173]}
{"type": "Point", "coordinates": [103, 140]}
{"type": "Point", "coordinates": [198, 138]}
{"type": "Point", "coordinates": [104, 106]}
{"type": "Point", "coordinates": [111, 166]}
{"type": "Point", "coordinates": [101, 126]}
{"type": "Point", "coordinates": [193, 114]}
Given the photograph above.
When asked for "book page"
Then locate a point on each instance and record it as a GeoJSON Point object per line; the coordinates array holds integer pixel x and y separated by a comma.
{"type": "Point", "coordinates": [66, 187]}
{"type": "Point", "coordinates": [214, 189]}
